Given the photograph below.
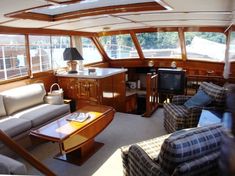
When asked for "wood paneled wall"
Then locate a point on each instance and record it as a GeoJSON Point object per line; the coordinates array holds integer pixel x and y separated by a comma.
{"type": "Point", "coordinates": [47, 78]}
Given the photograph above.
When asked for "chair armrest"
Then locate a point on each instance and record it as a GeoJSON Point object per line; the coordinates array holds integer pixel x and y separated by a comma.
{"type": "Point", "coordinates": [193, 117]}
{"type": "Point", "coordinates": [180, 99]}
{"type": "Point", "coordinates": [141, 164]}
{"type": "Point", "coordinates": [151, 147]}
{"type": "Point", "coordinates": [206, 165]}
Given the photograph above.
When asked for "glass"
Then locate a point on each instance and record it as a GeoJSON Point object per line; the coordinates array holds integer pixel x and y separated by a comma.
{"type": "Point", "coordinates": [58, 45]}
{"type": "Point", "coordinates": [160, 44]}
{"type": "Point", "coordinates": [40, 53]}
{"type": "Point", "coordinates": [206, 46]}
{"type": "Point", "coordinates": [13, 62]}
{"type": "Point", "coordinates": [90, 53]}
{"type": "Point", "coordinates": [119, 46]}
{"type": "Point", "coordinates": [232, 47]}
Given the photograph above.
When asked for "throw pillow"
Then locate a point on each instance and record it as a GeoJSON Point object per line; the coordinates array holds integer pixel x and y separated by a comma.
{"type": "Point", "coordinates": [200, 99]}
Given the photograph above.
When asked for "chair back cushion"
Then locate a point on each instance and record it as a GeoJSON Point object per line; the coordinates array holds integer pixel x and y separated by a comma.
{"type": "Point", "coordinates": [189, 144]}
{"type": "Point", "coordinates": [23, 97]}
{"type": "Point", "coordinates": [216, 92]}
{"type": "Point", "coordinates": [2, 107]}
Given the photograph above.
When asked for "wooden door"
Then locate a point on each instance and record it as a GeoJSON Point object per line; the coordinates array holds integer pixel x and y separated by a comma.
{"type": "Point", "coordinates": [119, 92]}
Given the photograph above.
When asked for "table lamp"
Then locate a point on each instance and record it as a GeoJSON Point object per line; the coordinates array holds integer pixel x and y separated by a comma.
{"type": "Point", "coordinates": [72, 55]}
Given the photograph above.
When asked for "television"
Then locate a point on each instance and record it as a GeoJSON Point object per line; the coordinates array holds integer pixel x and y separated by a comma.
{"type": "Point", "coordinates": [171, 81]}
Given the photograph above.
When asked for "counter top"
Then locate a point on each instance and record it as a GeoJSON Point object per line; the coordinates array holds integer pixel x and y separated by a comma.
{"type": "Point", "coordinates": [99, 73]}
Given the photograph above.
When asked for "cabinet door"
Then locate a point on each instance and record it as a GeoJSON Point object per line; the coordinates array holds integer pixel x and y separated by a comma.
{"type": "Point", "coordinates": [119, 88]}
{"type": "Point", "coordinates": [92, 90]}
{"type": "Point", "coordinates": [82, 89]}
{"type": "Point", "coordinates": [87, 89]}
{"type": "Point", "coordinates": [68, 86]}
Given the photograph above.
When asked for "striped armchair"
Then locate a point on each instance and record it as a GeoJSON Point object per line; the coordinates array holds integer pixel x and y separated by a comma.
{"type": "Point", "coordinates": [177, 116]}
{"type": "Point", "coordinates": [186, 152]}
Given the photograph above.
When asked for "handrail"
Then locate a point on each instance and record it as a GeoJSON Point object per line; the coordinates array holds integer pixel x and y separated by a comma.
{"type": "Point", "coordinates": [151, 94]}
{"type": "Point", "coordinates": [24, 154]}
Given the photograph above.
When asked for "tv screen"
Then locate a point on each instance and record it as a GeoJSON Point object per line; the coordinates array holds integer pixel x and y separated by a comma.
{"type": "Point", "coordinates": [171, 81]}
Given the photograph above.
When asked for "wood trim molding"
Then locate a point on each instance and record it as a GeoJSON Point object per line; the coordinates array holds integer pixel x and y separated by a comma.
{"type": "Point", "coordinates": [100, 48]}
{"type": "Point", "coordinates": [64, 1]}
{"type": "Point", "coordinates": [137, 45]}
{"type": "Point", "coordinates": [182, 44]}
{"type": "Point", "coordinates": [40, 31]}
{"type": "Point", "coordinates": [136, 7]}
{"type": "Point", "coordinates": [27, 48]}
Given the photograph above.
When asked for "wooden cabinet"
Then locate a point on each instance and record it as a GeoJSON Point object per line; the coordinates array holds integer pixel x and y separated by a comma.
{"type": "Point", "coordinates": [87, 89]}
{"type": "Point", "coordinates": [109, 90]}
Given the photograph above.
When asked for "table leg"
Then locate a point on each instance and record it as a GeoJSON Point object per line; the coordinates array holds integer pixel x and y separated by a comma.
{"type": "Point", "coordinates": [80, 155]}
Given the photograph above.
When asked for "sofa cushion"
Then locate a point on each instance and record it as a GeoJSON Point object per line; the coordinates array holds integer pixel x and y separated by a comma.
{"type": "Point", "coordinates": [2, 107]}
{"type": "Point", "coordinates": [42, 113]}
{"type": "Point", "coordinates": [185, 145]}
{"type": "Point", "coordinates": [13, 126]}
{"type": "Point", "coordinates": [12, 166]}
{"type": "Point", "coordinates": [200, 99]}
{"type": "Point", "coordinates": [23, 97]}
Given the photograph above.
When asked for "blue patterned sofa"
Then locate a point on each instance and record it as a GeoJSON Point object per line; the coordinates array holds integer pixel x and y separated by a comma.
{"type": "Point", "coordinates": [186, 152]}
{"type": "Point", "coordinates": [177, 116]}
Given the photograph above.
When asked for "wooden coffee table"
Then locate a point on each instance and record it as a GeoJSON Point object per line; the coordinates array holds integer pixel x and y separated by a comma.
{"type": "Point", "coordinates": [75, 139]}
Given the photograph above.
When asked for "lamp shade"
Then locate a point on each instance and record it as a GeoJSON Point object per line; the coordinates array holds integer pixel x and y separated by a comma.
{"type": "Point", "coordinates": [72, 54]}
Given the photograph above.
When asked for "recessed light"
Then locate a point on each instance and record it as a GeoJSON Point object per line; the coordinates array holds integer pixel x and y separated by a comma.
{"type": "Point", "coordinates": [106, 28]}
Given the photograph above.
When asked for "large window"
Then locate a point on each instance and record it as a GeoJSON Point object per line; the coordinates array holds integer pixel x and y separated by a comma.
{"type": "Point", "coordinates": [58, 45]}
{"type": "Point", "coordinates": [89, 51]}
{"type": "Point", "coordinates": [160, 44]}
{"type": "Point", "coordinates": [232, 47]}
{"type": "Point", "coordinates": [13, 62]}
{"type": "Point", "coordinates": [119, 46]}
{"type": "Point", "coordinates": [208, 46]}
{"type": "Point", "coordinates": [46, 52]}
{"type": "Point", "coordinates": [40, 53]}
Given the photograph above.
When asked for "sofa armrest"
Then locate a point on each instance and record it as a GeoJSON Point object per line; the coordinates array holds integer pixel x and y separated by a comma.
{"type": "Point", "coordinates": [4, 168]}
{"type": "Point", "coordinates": [180, 99]}
{"type": "Point", "coordinates": [140, 163]}
{"type": "Point", "coordinates": [11, 166]}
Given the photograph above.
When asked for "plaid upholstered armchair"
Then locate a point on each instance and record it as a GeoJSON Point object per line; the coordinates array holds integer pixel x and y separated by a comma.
{"type": "Point", "coordinates": [178, 116]}
{"type": "Point", "coordinates": [185, 152]}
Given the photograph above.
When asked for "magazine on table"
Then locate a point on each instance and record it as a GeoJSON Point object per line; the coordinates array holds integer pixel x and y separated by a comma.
{"type": "Point", "coordinates": [78, 116]}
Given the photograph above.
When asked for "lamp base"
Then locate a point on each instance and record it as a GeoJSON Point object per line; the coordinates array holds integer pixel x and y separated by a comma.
{"type": "Point", "coordinates": [72, 71]}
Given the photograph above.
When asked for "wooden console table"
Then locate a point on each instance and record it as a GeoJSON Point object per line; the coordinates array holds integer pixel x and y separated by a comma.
{"type": "Point", "coordinates": [75, 139]}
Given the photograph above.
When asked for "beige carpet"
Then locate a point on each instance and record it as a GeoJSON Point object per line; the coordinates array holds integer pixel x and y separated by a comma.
{"type": "Point", "coordinates": [124, 129]}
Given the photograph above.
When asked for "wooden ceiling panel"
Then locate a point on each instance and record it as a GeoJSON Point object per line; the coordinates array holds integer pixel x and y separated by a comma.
{"type": "Point", "coordinates": [29, 23]}
{"type": "Point", "coordinates": [114, 27]}
{"type": "Point", "coordinates": [89, 23]}
{"type": "Point", "coordinates": [179, 15]}
{"type": "Point", "coordinates": [179, 23]}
